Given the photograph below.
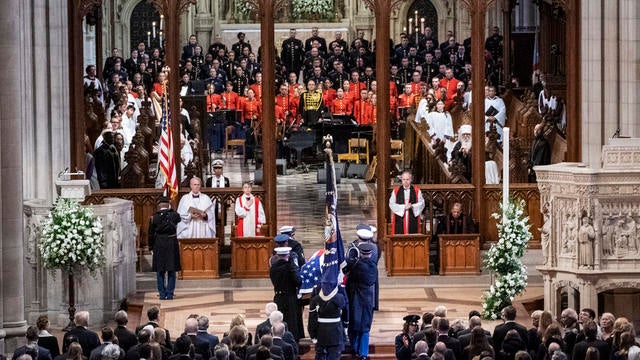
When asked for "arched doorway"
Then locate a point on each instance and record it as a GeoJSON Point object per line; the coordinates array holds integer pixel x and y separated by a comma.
{"type": "Point", "coordinates": [141, 24]}
{"type": "Point", "coordinates": [422, 9]}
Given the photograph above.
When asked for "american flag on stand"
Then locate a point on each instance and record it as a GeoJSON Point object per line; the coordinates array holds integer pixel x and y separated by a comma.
{"type": "Point", "coordinates": [331, 258]}
{"type": "Point", "coordinates": [166, 156]}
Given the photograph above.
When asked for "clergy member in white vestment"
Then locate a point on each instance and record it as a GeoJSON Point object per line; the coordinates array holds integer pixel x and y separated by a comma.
{"type": "Point", "coordinates": [250, 213]}
{"type": "Point", "coordinates": [501, 117]}
{"type": "Point", "coordinates": [440, 123]}
{"type": "Point", "coordinates": [196, 224]}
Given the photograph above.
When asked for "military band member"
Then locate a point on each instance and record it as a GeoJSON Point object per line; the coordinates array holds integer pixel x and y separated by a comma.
{"type": "Point", "coordinates": [311, 105]}
{"type": "Point", "coordinates": [292, 54]}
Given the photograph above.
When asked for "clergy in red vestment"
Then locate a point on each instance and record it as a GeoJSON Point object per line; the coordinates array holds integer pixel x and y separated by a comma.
{"type": "Point", "coordinates": [406, 204]}
{"type": "Point", "coordinates": [250, 213]}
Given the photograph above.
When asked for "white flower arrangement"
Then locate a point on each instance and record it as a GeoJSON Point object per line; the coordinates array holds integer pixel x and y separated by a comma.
{"type": "Point", "coordinates": [322, 9]}
{"type": "Point", "coordinates": [244, 8]}
{"type": "Point", "coordinates": [72, 239]}
{"type": "Point", "coordinates": [504, 258]}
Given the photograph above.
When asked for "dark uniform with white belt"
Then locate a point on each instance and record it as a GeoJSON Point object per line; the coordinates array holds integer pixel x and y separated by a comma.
{"type": "Point", "coordinates": [166, 251]}
{"type": "Point", "coordinates": [286, 281]}
{"type": "Point", "coordinates": [325, 323]}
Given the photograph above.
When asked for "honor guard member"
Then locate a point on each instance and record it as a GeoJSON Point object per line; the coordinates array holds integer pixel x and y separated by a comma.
{"type": "Point", "coordinates": [296, 247]}
{"type": "Point", "coordinates": [292, 53]}
{"type": "Point", "coordinates": [405, 342]}
{"type": "Point", "coordinates": [366, 234]}
{"type": "Point", "coordinates": [286, 281]}
{"type": "Point", "coordinates": [360, 287]}
{"type": "Point", "coordinates": [163, 242]}
{"type": "Point", "coordinates": [325, 323]}
{"type": "Point", "coordinates": [282, 240]}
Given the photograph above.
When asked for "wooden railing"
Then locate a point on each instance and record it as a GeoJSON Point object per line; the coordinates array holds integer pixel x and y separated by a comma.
{"type": "Point", "coordinates": [145, 203]}
{"type": "Point", "coordinates": [439, 198]}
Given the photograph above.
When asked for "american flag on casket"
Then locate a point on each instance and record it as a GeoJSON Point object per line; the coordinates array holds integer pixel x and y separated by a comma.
{"type": "Point", "coordinates": [331, 258]}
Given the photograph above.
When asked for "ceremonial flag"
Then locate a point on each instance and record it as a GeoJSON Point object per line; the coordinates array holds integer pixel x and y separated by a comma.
{"type": "Point", "coordinates": [166, 156]}
{"type": "Point", "coordinates": [331, 258]}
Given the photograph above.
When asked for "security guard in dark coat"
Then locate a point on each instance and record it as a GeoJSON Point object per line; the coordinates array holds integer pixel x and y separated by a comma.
{"type": "Point", "coordinates": [286, 281]}
{"type": "Point", "coordinates": [406, 342]}
{"type": "Point", "coordinates": [325, 323]}
{"type": "Point", "coordinates": [164, 244]}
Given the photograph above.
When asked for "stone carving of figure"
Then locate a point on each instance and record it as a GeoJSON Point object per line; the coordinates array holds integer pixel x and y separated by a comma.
{"type": "Point", "coordinates": [545, 233]}
{"type": "Point", "coordinates": [608, 229]}
{"type": "Point", "coordinates": [566, 233]}
{"type": "Point", "coordinates": [202, 6]}
{"type": "Point", "coordinates": [621, 238]}
{"type": "Point", "coordinates": [586, 235]}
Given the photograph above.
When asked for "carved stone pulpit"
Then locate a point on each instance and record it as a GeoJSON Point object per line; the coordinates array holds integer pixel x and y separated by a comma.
{"type": "Point", "coordinates": [591, 231]}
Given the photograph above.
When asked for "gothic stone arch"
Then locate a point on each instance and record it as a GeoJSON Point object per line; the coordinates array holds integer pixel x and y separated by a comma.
{"type": "Point", "coordinates": [424, 7]}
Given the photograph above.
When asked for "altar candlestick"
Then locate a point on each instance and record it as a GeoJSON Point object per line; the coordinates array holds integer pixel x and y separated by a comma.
{"type": "Point", "coordinates": [410, 25]}
{"type": "Point", "coordinates": [422, 25]}
{"type": "Point", "coordinates": [149, 39]}
{"type": "Point", "coordinates": [416, 17]}
{"type": "Point", "coordinates": [161, 22]}
{"type": "Point", "coordinates": [417, 34]}
{"type": "Point", "coordinates": [153, 24]}
{"type": "Point", "coordinates": [160, 34]}
{"type": "Point", "coordinates": [404, 29]}
{"type": "Point", "coordinates": [505, 168]}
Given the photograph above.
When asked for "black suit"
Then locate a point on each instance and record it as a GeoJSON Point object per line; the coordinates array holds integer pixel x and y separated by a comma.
{"type": "Point", "coordinates": [88, 339]}
{"type": "Point", "coordinates": [501, 331]}
{"type": "Point", "coordinates": [50, 343]}
{"type": "Point", "coordinates": [263, 325]}
{"type": "Point", "coordinates": [126, 339]}
{"type": "Point", "coordinates": [201, 346]}
{"type": "Point", "coordinates": [287, 350]}
{"type": "Point", "coordinates": [580, 349]}
{"type": "Point", "coordinates": [276, 352]}
{"type": "Point", "coordinates": [465, 338]}
{"type": "Point", "coordinates": [453, 344]}
{"type": "Point", "coordinates": [43, 354]}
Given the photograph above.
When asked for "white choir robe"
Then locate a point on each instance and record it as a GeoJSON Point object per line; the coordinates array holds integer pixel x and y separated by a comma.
{"type": "Point", "coordinates": [501, 116]}
{"type": "Point", "coordinates": [423, 110]}
{"type": "Point", "coordinates": [248, 216]}
{"type": "Point", "coordinates": [440, 124]}
{"type": "Point", "coordinates": [196, 228]}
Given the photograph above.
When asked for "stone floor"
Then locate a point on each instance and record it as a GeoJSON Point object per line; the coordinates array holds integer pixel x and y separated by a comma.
{"type": "Point", "coordinates": [302, 205]}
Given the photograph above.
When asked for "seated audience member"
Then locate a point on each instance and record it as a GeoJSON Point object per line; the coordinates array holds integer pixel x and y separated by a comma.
{"type": "Point", "coordinates": [126, 338]}
{"type": "Point", "coordinates": [45, 339]}
{"type": "Point", "coordinates": [88, 339]}
{"type": "Point", "coordinates": [107, 339]}
{"type": "Point", "coordinates": [32, 348]}
{"type": "Point", "coordinates": [457, 222]}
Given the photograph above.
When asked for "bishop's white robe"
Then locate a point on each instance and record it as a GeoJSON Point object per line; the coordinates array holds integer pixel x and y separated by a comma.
{"type": "Point", "coordinates": [196, 228]}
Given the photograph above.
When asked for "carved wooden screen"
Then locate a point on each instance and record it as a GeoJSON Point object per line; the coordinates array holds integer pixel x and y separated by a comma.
{"type": "Point", "coordinates": [142, 17]}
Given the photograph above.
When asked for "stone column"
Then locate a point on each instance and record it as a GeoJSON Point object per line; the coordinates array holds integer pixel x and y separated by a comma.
{"type": "Point", "coordinates": [629, 48]}
{"type": "Point", "coordinates": [13, 17]}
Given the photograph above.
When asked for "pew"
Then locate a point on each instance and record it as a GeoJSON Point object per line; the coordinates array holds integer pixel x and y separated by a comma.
{"type": "Point", "coordinates": [459, 254]}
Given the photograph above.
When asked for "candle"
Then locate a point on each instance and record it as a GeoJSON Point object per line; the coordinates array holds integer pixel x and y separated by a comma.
{"type": "Point", "coordinates": [505, 168]}
{"type": "Point", "coordinates": [149, 39]}
{"type": "Point", "coordinates": [161, 22]}
{"type": "Point", "coordinates": [153, 24]}
{"type": "Point", "coordinates": [160, 34]}
{"type": "Point", "coordinates": [410, 25]}
{"type": "Point", "coordinates": [416, 15]}
{"type": "Point", "coordinates": [417, 36]}
{"type": "Point", "coordinates": [404, 29]}
{"type": "Point", "coordinates": [422, 25]}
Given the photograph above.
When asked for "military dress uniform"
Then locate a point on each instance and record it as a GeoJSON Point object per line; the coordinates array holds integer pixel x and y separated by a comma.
{"type": "Point", "coordinates": [361, 290]}
{"type": "Point", "coordinates": [292, 54]}
{"type": "Point", "coordinates": [286, 281]}
{"type": "Point", "coordinates": [325, 324]}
